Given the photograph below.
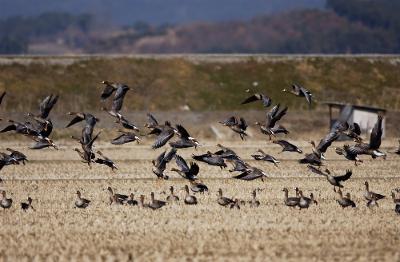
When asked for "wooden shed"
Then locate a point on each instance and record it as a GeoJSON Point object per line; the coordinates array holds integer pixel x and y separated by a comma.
{"type": "Point", "coordinates": [365, 116]}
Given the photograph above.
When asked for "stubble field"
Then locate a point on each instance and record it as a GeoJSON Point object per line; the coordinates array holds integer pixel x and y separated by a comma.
{"type": "Point", "coordinates": [58, 231]}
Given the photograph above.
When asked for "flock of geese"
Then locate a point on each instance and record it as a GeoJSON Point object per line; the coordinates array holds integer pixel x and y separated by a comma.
{"type": "Point", "coordinates": [39, 128]}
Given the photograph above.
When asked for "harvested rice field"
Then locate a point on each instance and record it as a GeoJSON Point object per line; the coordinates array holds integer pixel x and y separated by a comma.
{"type": "Point", "coordinates": [56, 230]}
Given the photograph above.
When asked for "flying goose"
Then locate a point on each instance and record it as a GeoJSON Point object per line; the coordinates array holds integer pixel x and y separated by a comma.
{"type": "Point", "coordinates": [273, 116]}
{"type": "Point", "coordinates": [17, 156]}
{"type": "Point", "coordinates": [2, 96]}
{"type": "Point", "coordinates": [349, 153]}
{"type": "Point", "coordinates": [290, 201]}
{"type": "Point", "coordinates": [372, 148]}
{"type": "Point", "coordinates": [105, 161]}
{"type": "Point", "coordinates": [211, 159]}
{"type": "Point", "coordinates": [266, 101]}
{"type": "Point", "coordinates": [125, 137]}
{"type": "Point", "coordinates": [189, 199]}
{"type": "Point", "coordinates": [156, 204]}
{"type": "Point", "coordinates": [151, 122]}
{"type": "Point", "coordinates": [223, 201]}
{"type": "Point", "coordinates": [81, 202]}
{"type": "Point", "coordinates": [235, 125]}
{"type": "Point", "coordinates": [286, 146]}
{"type": "Point", "coordinates": [185, 140]}
{"type": "Point", "coordinates": [344, 201]}
{"type": "Point", "coordinates": [26, 205]}
{"type": "Point", "coordinates": [126, 123]}
{"type": "Point", "coordinates": [184, 170]}
{"type": "Point", "coordinates": [265, 157]}
{"type": "Point", "coordinates": [325, 143]}
{"type": "Point", "coordinates": [313, 158]}
{"type": "Point", "coordinates": [238, 165]}
{"type": "Point", "coordinates": [335, 181]}
{"type": "Point", "coordinates": [160, 163]}
{"type": "Point", "coordinates": [251, 173]}
{"type": "Point", "coordinates": [46, 106]}
{"type": "Point", "coordinates": [172, 197]}
{"type": "Point", "coordinates": [226, 152]}
{"type": "Point", "coordinates": [300, 91]}
{"type": "Point", "coordinates": [120, 92]}
{"type": "Point", "coordinates": [164, 134]}
{"type": "Point", "coordinates": [5, 202]}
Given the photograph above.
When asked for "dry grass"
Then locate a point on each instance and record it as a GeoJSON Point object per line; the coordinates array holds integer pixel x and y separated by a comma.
{"type": "Point", "coordinates": [206, 231]}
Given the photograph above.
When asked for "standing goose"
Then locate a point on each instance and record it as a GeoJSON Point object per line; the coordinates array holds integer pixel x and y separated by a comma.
{"type": "Point", "coordinates": [131, 201]}
{"type": "Point", "coordinates": [156, 204]}
{"type": "Point", "coordinates": [333, 180]}
{"type": "Point", "coordinates": [184, 171]}
{"type": "Point", "coordinates": [266, 101]}
{"type": "Point", "coordinates": [81, 202]}
{"type": "Point", "coordinates": [172, 197]}
{"type": "Point", "coordinates": [397, 203]}
{"type": "Point", "coordinates": [251, 173]}
{"type": "Point", "coordinates": [160, 163]}
{"type": "Point", "coordinates": [300, 91]}
{"type": "Point", "coordinates": [265, 157]}
{"type": "Point", "coordinates": [254, 202]}
{"type": "Point", "coordinates": [114, 197]}
{"type": "Point", "coordinates": [286, 146]}
{"type": "Point", "coordinates": [26, 205]}
{"type": "Point", "coordinates": [235, 125]}
{"type": "Point", "coordinates": [290, 201]}
{"type": "Point", "coordinates": [273, 116]}
{"type": "Point", "coordinates": [344, 201]}
{"type": "Point", "coordinates": [305, 202]}
{"type": "Point", "coordinates": [189, 199]}
{"type": "Point", "coordinates": [125, 137]}
{"type": "Point", "coordinates": [185, 140]}
{"type": "Point", "coordinates": [5, 202]}
{"type": "Point", "coordinates": [142, 204]}
{"type": "Point", "coordinates": [223, 201]}
{"type": "Point", "coordinates": [211, 159]}
{"type": "Point", "coordinates": [371, 197]}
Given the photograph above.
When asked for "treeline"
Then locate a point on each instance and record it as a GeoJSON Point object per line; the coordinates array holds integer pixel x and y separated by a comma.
{"type": "Point", "coordinates": [346, 26]}
{"type": "Point", "coordinates": [17, 32]}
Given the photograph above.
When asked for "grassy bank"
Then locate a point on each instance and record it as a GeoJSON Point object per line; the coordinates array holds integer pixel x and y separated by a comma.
{"type": "Point", "coordinates": [203, 83]}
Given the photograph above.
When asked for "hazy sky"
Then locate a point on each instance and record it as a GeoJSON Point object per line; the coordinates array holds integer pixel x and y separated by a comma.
{"type": "Point", "coordinates": [157, 11]}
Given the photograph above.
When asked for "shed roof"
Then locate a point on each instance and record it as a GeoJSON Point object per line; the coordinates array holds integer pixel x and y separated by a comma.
{"type": "Point", "coordinates": [360, 107]}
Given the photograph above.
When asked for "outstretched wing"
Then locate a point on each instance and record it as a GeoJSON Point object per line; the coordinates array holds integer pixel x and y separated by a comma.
{"type": "Point", "coordinates": [345, 176]}
{"type": "Point", "coordinates": [182, 131]}
{"type": "Point", "coordinates": [230, 121]}
{"type": "Point", "coordinates": [181, 163]}
{"type": "Point", "coordinates": [46, 105]}
{"type": "Point", "coordinates": [163, 138]}
{"type": "Point", "coordinates": [316, 170]}
{"type": "Point", "coordinates": [252, 98]}
{"type": "Point", "coordinates": [194, 169]}
{"type": "Point", "coordinates": [376, 134]}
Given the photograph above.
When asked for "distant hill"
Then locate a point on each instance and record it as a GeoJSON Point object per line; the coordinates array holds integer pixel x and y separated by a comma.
{"type": "Point", "coordinates": [126, 12]}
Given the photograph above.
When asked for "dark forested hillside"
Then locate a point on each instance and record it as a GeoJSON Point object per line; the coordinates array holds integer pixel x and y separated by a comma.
{"type": "Point", "coordinates": [345, 26]}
